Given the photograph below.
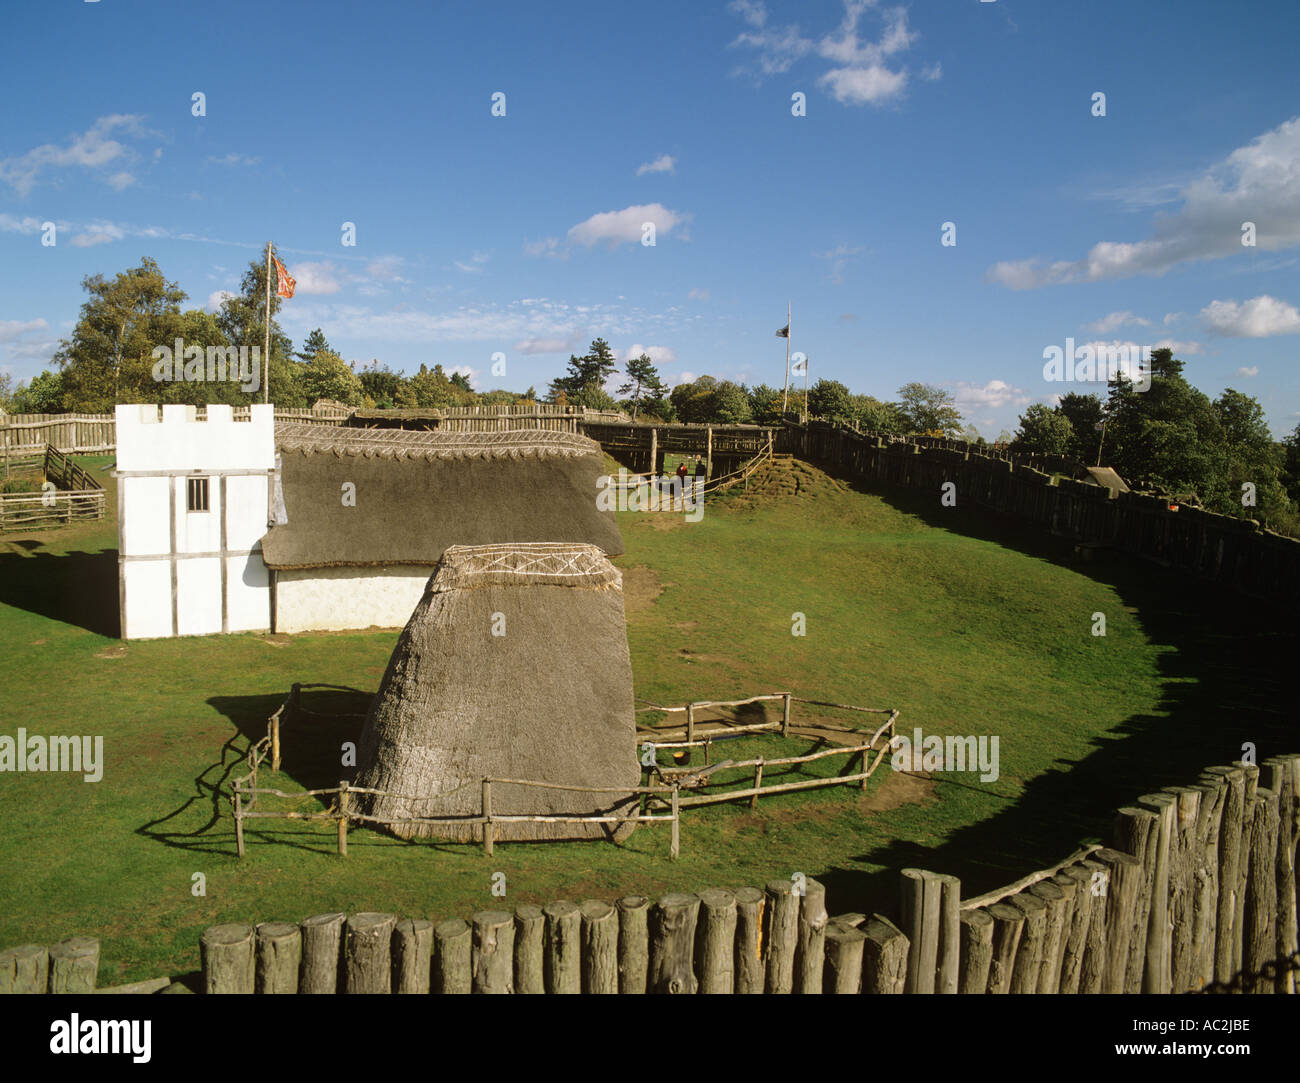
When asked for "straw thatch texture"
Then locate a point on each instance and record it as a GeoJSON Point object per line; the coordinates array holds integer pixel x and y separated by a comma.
{"type": "Point", "coordinates": [550, 700]}
{"type": "Point", "coordinates": [416, 493]}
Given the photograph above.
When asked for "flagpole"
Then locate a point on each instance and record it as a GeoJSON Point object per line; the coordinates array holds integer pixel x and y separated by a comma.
{"type": "Point", "coordinates": [266, 353]}
{"type": "Point", "coordinates": [785, 395]}
{"type": "Point", "coordinates": [805, 389]}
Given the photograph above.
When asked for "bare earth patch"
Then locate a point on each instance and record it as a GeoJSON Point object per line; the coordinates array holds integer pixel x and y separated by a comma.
{"type": "Point", "coordinates": [896, 788]}
{"type": "Point", "coordinates": [111, 652]}
{"type": "Point", "coordinates": [641, 587]}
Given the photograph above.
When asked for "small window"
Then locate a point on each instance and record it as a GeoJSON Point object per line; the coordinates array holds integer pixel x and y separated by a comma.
{"type": "Point", "coordinates": [196, 494]}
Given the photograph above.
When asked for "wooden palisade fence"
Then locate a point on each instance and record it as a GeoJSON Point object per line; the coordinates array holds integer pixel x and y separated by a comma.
{"type": "Point", "coordinates": [1236, 553]}
{"type": "Point", "coordinates": [77, 494]}
{"type": "Point", "coordinates": [1197, 891]}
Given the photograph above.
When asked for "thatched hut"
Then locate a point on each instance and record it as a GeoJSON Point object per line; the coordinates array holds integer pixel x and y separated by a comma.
{"type": "Point", "coordinates": [363, 515]}
{"type": "Point", "coordinates": [514, 665]}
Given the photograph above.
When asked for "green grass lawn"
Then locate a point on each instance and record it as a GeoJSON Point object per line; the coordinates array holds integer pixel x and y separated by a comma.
{"type": "Point", "coordinates": [967, 626]}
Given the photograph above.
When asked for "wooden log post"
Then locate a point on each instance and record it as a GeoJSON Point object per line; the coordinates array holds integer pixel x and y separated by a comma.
{"type": "Point", "coordinates": [322, 953]}
{"type": "Point", "coordinates": [1029, 955]}
{"type": "Point", "coordinates": [1049, 973]}
{"type": "Point", "coordinates": [633, 943]}
{"type": "Point", "coordinates": [452, 966]}
{"type": "Point", "coordinates": [562, 954]}
{"type": "Point", "coordinates": [976, 950]}
{"type": "Point", "coordinates": [884, 957]}
{"type": "Point", "coordinates": [412, 956]}
{"type": "Point", "coordinates": [1121, 903]}
{"type": "Point", "coordinates": [672, 944]}
{"type": "Point", "coordinates": [1260, 928]}
{"type": "Point", "coordinates": [1157, 965]}
{"type": "Point", "coordinates": [492, 957]}
{"type": "Point", "coordinates": [343, 818]}
{"type": "Point", "coordinates": [368, 952]}
{"type": "Point", "coordinates": [1182, 886]}
{"type": "Point", "coordinates": [948, 973]}
{"type": "Point", "coordinates": [690, 722]}
{"type": "Point", "coordinates": [780, 935]}
{"type": "Point", "coordinates": [844, 951]}
{"type": "Point", "coordinates": [1094, 954]}
{"type": "Point", "coordinates": [675, 844]}
{"type": "Point", "coordinates": [530, 935]}
{"type": "Point", "coordinates": [1137, 832]}
{"type": "Point", "coordinates": [74, 965]}
{"type": "Point", "coordinates": [239, 817]}
{"type": "Point", "coordinates": [1205, 899]}
{"type": "Point", "coordinates": [226, 953]}
{"type": "Point", "coordinates": [922, 893]}
{"type": "Point", "coordinates": [785, 714]}
{"type": "Point", "coordinates": [1080, 921]}
{"type": "Point", "coordinates": [1251, 773]}
{"type": "Point", "coordinates": [599, 947]}
{"type": "Point", "coordinates": [489, 832]}
{"type": "Point", "coordinates": [279, 957]}
{"type": "Point", "coordinates": [1281, 774]}
{"type": "Point", "coordinates": [758, 782]}
{"type": "Point", "coordinates": [749, 969]}
{"type": "Point", "coordinates": [810, 952]}
{"type": "Point", "coordinates": [715, 941]}
{"type": "Point", "coordinates": [1226, 931]}
{"type": "Point", "coordinates": [1008, 928]}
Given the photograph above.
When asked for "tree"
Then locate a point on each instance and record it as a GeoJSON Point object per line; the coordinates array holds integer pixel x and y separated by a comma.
{"type": "Point", "coordinates": [431, 389]}
{"type": "Point", "coordinates": [831, 400]}
{"type": "Point", "coordinates": [328, 376]}
{"type": "Point", "coordinates": [459, 379]}
{"type": "Point", "coordinates": [765, 404]}
{"type": "Point", "coordinates": [642, 378]}
{"type": "Point", "coordinates": [1043, 431]}
{"type": "Point", "coordinates": [729, 404]}
{"type": "Point", "coordinates": [378, 382]}
{"type": "Point", "coordinates": [875, 416]}
{"type": "Point", "coordinates": [315, 341]}
{"type": "Point", "coordinates": [694, 401]}
{"type": "Point", "coordinates": [108, 358]}
{"type": "Point", "coordinates": [583, 383]}
{"type": "Point", "coordinates": [1084, 413]}
{"type": "Point", "coordinates": [925, 408]}
{"type": "Point", "coordinates": [42, 395]}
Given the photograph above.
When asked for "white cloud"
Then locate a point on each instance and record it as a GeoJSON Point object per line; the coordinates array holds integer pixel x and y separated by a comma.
{"type": "Point", "coordinates": [1259, 317]}
{"type": "Point", "coordinates": [665, 163]}
{"type": "Point", "coordinates": [216, 297]}
{"type": "Point", "coordinates": [92, 149]}
{"type": "Point", "coordinates": [315, 277]}
{"type": "Point", "coordinates": [660, 355]}
{"type": "Point", "coordinates": [698, 295]}
{"type": "Point", "coordinates": [98, 233]}
{"type": "Point", "coordinates": [680, 378]}
{"type": "Point", "coordinates": [931, 72]}
{"type": "Point", "coordinates": [12, 330]}
{"type": "Point", "coordinates": [475, 264]}
{"type": "Point", "coordinates": [838, 258]}
{"type": "Point", "coordinates": [549, 246]}
{"type": "Point", "coordinates": [1172, 318]}
{"type": "Point", "coordinates": [234, 159]}
{"type": "Point", "coordinates": [121, 181]}
{"type": "Point", "coordinates": [1115, 321]}
{"type": "Point", "coordinates": [989, 396]}
{"type": "Point", "coordinates": [625, 226]}
{"type": "Point", "coordinates": [1247, 370]}
{"type": "Point", "coordinates": [1257, 183]}
{"type": "Point", "coordinates": [861, 71]}
{"type": "Point", "coordinates": [566, 344]}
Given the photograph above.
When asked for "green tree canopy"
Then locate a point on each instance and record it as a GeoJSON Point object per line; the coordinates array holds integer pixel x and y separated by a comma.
{"type": "Point", "coordinates": [642, 384]}
{"type": "Point", "coordinates": [926, 408]}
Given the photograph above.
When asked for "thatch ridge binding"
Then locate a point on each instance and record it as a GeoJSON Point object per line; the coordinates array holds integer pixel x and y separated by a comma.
{"type": "Point", "coordinates": [402, 444]}
{"type": "Point", "coordinates": [556, 563]}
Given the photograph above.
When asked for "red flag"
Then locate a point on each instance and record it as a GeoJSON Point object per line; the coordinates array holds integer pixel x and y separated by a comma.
{"type": "Point", "coordinates": [284, 283]}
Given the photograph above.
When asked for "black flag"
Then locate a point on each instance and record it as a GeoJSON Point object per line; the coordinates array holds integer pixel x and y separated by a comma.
{"type": "Point", "coordinates": [784, 332]}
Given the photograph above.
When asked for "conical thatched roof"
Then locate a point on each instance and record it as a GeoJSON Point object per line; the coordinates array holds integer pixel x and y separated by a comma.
{"type": "Point", "coordinates": [549, 700]}
{"type": "Point", "coordinates": [415, 493]}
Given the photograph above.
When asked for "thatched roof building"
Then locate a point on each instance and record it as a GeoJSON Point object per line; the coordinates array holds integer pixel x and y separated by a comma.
{"type": "Point", "coordinates": [416, 493]}
{"type": "Point", "coordinates": [362, 516]}
{"type": "Point", "coordinates": [514, 665]}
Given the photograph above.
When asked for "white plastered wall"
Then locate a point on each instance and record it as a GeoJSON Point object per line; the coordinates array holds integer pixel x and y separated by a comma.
{"type": "Point", "coordinates": [324, 599]}
{"type": "Point", "coordinates": [170, 558]}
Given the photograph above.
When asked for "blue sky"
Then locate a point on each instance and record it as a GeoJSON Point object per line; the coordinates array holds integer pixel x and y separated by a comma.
{"type": "Point", "coordinates": [521, 234]}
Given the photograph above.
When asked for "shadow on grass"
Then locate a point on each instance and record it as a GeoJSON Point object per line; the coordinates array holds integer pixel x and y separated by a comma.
{"type": "Point", "coordinates": [74, 588]}
{"type": "Point", "coordinates": [1224, 682]}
